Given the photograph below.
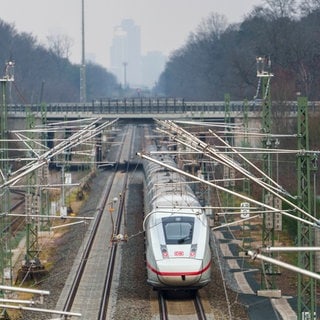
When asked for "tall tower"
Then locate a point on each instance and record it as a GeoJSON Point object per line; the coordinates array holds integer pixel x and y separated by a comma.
{"type": "Point", "coordinates": [83, 94]}
{"type": "Point", "coordinates": [125, 53]}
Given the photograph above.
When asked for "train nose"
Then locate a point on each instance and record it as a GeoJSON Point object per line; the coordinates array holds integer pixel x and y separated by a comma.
{"type": "Point", "coordinates": [179, 272]}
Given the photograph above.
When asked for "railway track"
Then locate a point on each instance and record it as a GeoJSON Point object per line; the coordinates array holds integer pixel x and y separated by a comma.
{"type": "Point", "coordinates": [90, 287]}
{"type": "Point", "coordinates": [190, 308]}
{"type": "Point", "coordinates": [112, 260]}
{"type": "Point", "coordinates": [15, 222]}
{"type": "Point", "coordinates": [175, 308]}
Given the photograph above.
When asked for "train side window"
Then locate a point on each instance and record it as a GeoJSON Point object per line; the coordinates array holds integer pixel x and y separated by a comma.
{"type": "Point", "coordinates": [178, 230]}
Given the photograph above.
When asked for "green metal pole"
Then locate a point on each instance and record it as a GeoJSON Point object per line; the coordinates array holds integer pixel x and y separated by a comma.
{"type": "Point", "coordinates": [245, 143]}
{"type": "Point", "coordinates": [6, 261]}
{"type": "Point", "coordinates": [32, 263]}
{"type": "Point", "coordinates": [246, 226]}
{"type": "Point", "coordinates": [44, 175]}
{"type": "Point", "coordinates": [268, 225]}
{"type": "Point", "coordinates": [5, 237]}
{"type": "Point", "coordinates": [5, 247]}
{"type": "Point", "coordinates": [306, 286]}
{"type": "Point", "coordinates": [229, 173]}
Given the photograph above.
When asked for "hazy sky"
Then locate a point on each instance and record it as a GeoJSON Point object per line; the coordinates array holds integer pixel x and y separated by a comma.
{"type": "Point", "coordinates": [165, 24]}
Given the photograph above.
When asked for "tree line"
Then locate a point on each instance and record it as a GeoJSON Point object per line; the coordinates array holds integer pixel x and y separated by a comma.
{"type": "Point", "coordinates": [219, 58]}
{"type": "Point", "coordinates": [216, 59]}
{"type": "Point", "coordinates": [45, 74]}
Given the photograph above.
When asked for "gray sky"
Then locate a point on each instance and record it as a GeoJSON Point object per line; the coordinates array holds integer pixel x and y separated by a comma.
{"type": "Point", "coordinates": [165, 24]}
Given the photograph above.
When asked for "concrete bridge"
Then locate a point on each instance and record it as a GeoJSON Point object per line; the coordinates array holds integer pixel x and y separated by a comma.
{"type": "Point", "coordinates": [142, 108]}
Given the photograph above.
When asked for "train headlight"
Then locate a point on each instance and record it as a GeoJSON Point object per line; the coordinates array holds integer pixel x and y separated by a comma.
{"type": "Point", "coordinates": [193, 251]}
{"type": "Point", "coordinates": [164, 251]}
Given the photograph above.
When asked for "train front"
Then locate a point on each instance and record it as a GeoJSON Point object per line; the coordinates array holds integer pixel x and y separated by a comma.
{"type": "Point", "coordinates": [178, 254]}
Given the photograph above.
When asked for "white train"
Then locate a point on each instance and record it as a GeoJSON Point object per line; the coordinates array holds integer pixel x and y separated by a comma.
{"type": "Point", "coordinates": [178, 254]}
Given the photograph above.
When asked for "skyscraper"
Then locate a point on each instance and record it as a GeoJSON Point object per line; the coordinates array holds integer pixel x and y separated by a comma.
{"type": "Point", "coordinates": [125, 53]}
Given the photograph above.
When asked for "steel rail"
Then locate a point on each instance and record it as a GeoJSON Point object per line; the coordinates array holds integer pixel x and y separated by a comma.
{"type": "Point", "coordinates": [102, 315]}
{"type": "Point", "coordinates": [195, 299]}
{"type": "Point", "coordinates": [86, 252]}
{"type": "Point", "coordinates": [199, 307]}
{"type": "Point", "coordinates": [163, 312]}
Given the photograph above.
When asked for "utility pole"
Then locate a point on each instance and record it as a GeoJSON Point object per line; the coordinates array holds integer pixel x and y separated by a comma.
{"type": "Point", "coordinates": [271, 221]}
{"type": "Point", "coordinates": [306, 285]}
{"type": "Point", "coordinates": [5, 249]}
{"type": "Point", "coordinates": [246, 182]}
{"type": "Point", "coordinates": [32, 266]}
{"type": "Point", "coordinates": [5, 173]}
{"type": "Point", "coordinates": [125, 64]}
{"type": "Point", "coordinates": [228, 172]}
{"type": "Point", "coordinates": [245, 211]}
{"type": "Point", "coordinates": [44, 171]}
{"type": "Point", "coordinates": [83, 86]}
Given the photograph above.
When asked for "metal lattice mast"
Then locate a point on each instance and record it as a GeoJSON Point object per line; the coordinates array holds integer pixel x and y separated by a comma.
{"type": "Point", "coordinates": [5, 250]}
{"type": "Point", "coordinates": [83, 94]}
{"type": "Point", "coordinates": [32, 207]}
{"type": "Point", "coordinates": [269, 219]}
{"type": "Point", "coordinates": [306, 285]}
{"type": "Point", "coordinates": [246, 226]}
{"type": "Point", "coordinates": [44, 171]}
{"type": "Point", "coordinates": [228, 173]}
{"type": "Point", "coordinates": [246, 182]}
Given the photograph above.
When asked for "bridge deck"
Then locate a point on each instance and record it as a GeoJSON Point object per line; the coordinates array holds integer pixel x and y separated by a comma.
{"type": "Point", "coordinates": [151, 108]}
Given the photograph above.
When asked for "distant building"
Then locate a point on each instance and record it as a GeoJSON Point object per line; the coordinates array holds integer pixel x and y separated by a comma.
{"type": "Point", "coordinates": [126, 62]}
{"type": "Point", "coordinates": [125, 53]}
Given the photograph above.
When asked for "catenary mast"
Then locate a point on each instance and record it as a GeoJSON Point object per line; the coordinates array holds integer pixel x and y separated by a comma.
{"type": "Point", "coordinates": [83, 94]}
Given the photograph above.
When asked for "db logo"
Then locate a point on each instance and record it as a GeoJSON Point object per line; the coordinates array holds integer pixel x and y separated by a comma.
{"type": "Point", "coordinates": [179, 253]}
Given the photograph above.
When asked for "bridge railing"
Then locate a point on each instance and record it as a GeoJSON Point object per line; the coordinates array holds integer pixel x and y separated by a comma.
{"type": "Point", "coordinates": [150, 106]}
{"type": "Point", "coordinates": [124, 106]}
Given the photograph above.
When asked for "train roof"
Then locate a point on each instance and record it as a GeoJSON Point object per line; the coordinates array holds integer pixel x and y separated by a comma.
{"type": "Point", "coordinates": [154, 217]}
{"type": "Point", "coordinates": [175, 200]}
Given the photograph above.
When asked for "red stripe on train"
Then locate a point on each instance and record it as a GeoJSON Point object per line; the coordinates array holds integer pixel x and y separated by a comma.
{"type": "Point", "coordinates": [177, 274]}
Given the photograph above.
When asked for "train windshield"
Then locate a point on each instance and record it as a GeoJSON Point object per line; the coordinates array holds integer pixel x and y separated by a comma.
{"type": "Point", "coordinates": [178, 230]}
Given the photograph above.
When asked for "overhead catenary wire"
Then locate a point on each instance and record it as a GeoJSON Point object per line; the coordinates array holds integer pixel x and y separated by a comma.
{"type": "Point", "coordinates": [177, 136]}
{"type": "Point", "coordinates": [314, 224]}
{"type": "Point", "coordinates": [243, 171]}
{"type": "Point", "coordinates": [231, 163]}
{"type": "Point", "coordinates": [235, 222]}
{"type": "Point", "coordinates": [259, 134]}
{"type": "Point", "coordinates": [242, 150]}
{"type": "Point", "coordinates": [88, 132]}
{"type": "Point", "coordinates": [195, 143]}
{"type": "Point", "coordinates": [210, 152]}
{"type": "Point", "coordinates": [285, 265]}
{"type": "Point", "coordinates": [252, 132]}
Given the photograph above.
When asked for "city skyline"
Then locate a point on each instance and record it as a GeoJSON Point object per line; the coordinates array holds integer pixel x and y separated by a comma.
{"type": "Point", "coordinates": [165, 24]}
{"type": "Point", "coordinates": [127, 63]}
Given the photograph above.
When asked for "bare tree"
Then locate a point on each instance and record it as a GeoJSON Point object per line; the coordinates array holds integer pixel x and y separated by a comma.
{"type": "Point", "coordinates": [281, 8]}
{"type": "Point", "coordinates": [60, 45]}
{"type": "Point", "coordinates": [307, 6]}
{"type": "Point", "coordinates": [213, 26]}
